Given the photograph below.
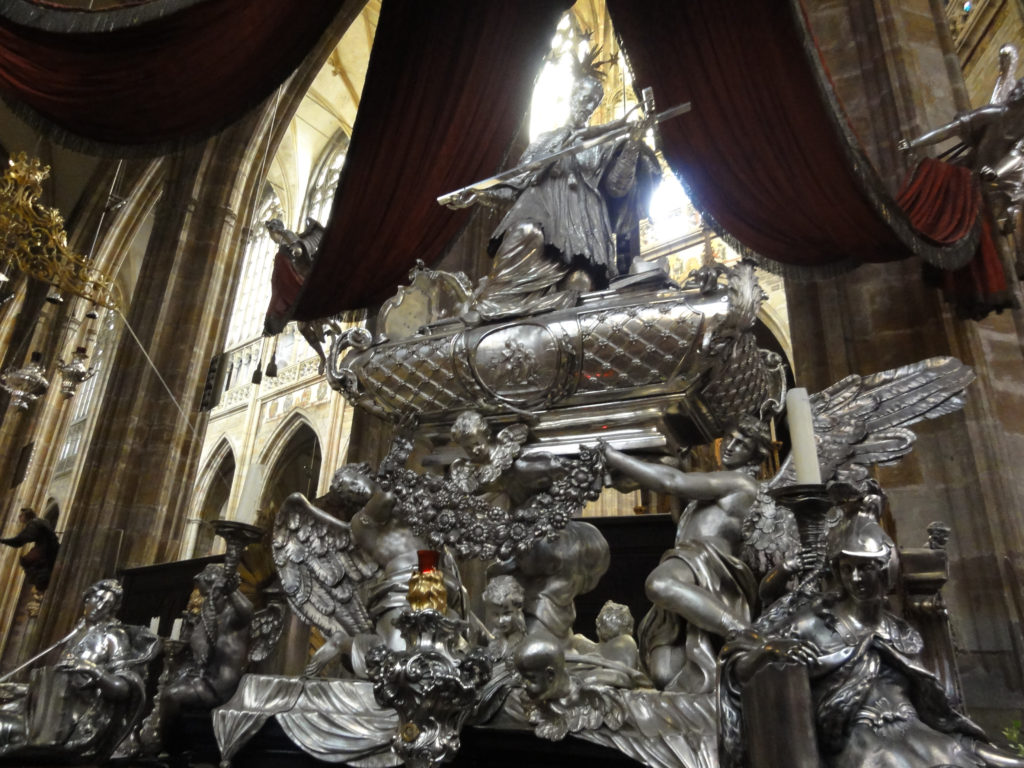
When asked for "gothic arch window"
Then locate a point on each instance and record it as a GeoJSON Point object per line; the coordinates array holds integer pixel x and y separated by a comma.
{"type": "Point", "coordinates": [84, 398]}
{"type": "Point", "coordinates": [296, 466]}
{"type": "Point", "coordinates": [215, 501]}
{"type": "Point", "coordinates": [324, 182]}
{"type": "Point", "coordinates": [253, 293]}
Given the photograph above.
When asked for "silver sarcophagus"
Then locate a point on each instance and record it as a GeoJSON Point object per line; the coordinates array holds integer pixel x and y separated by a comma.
{"type": "Point", "coordinates": [643, 365]}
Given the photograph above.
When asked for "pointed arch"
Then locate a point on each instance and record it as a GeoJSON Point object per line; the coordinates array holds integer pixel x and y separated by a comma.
{"type": "Point", "coordinates": [213, 491]}
{"type": "Point", "coordinates": [293, 460]}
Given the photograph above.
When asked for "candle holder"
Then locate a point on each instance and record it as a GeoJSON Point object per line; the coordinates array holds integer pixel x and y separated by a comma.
{"type": "Point", "coordinates": [27, 383]}
{"type": "Point", "coordinates": [74, 373]}
{"type": "Point", "coordinates": [237, 536]}
{"type": "Point", "coordinates": [810, 504]}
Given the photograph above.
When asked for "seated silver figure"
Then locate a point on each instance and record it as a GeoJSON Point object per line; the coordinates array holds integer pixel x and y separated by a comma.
{"type": "Point", "coordinates": [90, 700]}
{"type": "Point", "coordinates": [875, 706]}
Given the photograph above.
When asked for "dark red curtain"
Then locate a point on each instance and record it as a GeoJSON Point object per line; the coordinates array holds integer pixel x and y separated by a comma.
{"type": "Point", "coordinates": [448, 85]}
{"type": "Point", "coordinates": [941, 200]}
{"type": "Point", "coordinates": [285, 286]}
{"type": "Point", "coordinates": [763, 152]}
{"type": "Point", "coordinates": [155, 75]}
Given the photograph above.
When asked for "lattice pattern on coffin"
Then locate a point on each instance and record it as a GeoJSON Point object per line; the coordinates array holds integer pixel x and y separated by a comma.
{"type": "Point", "coordinates": [415, 376]}
{"type": "Point", "coordinates": [635, 346]}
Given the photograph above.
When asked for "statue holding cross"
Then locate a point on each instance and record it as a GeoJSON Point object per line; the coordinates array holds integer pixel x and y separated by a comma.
{"type": "Point", "coordinates": [577, 193]}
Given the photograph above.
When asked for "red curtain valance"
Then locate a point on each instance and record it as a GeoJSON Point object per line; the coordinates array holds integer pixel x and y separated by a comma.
{"type": "Point", "coordinates": [153, 76]}
{"type": "Point", "coordinates": [763, 152]}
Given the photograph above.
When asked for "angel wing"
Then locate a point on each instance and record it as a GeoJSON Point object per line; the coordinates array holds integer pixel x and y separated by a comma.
{"type": "Point", "coordinates": [320, 568]}
{"type": "Point", "coordinates": [508, 445]}
{"type": "Point", "coordinates": [267, 626]}
{"type": "Point", "coordinates": [861, 421]}
{"type": "Point", "coordinates": [745, 295]}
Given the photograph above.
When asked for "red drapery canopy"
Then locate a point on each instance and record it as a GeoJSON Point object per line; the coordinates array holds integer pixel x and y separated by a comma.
{"type": "Point", "coordinates": [764, 152]}
{"type": "Point", "coordinates": [152, 76]}
{"type": "Point", "coordinates": [447, 87]}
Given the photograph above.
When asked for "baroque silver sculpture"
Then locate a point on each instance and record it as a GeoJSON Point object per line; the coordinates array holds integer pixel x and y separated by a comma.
{"type": "Point", "coordinates": [576, 205]}
{"type": "Point", "coordinates": [646, 365]}
{"type": "Point", "coordinates": [874, 704]}
{"type": "Point", "coordinates": [87, 703]}
{"type": "Point", "coordinates": [991, 144]}
{"type": "Point", "coordinates": [517, 401]}
{"type": "Point", "coordinates": [347, 571]}
{"type": "Point", "coordinates": [221, 640]}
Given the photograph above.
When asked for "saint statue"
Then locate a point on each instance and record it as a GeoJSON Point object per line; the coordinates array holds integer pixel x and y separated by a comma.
{"type": "Point", "coordinates": [92, 698]}
{"type": "Point", "coordinates": [874, 704]}
{"type": "Point", "coordinates": [573, 223]}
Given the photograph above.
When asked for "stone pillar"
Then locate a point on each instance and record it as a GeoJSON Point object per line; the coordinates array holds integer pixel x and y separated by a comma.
{"type": "Point", "coordinates": [139, 467]}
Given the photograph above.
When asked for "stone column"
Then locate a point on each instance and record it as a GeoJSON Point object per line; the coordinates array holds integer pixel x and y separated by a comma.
{"type": "Point", "coordinates": [140, 464]}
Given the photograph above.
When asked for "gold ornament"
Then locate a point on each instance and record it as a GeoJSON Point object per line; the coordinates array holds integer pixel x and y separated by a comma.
{"type": "Point", "coordinates": [32, 237]}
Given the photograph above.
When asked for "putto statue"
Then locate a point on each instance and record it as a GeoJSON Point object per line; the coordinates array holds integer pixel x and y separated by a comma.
{"type": "Point", "coordinates": [91, 699]}
{"type": "Point", "coordinates": [503, 615]}
{"type": "Point", "coordinates": [579, 212]}
{"type": "Point", "coordinates": [219, 644]}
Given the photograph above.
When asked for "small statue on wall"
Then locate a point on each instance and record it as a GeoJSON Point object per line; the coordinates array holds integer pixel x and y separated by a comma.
{"type": "Point", "coordinates": [993, 138]}
{"type": "Point", "coordinates": [38, 562]}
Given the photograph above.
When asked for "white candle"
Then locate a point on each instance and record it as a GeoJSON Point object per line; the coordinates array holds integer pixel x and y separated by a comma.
{"type": "Point", "coordinates": [154, 625]}
{"type": "Point", "coordinates": [801, 435]}
{"type": "Point", "coordinates": [176, 629]}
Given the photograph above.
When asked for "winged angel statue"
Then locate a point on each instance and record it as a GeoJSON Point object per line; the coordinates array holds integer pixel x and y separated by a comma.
{"type": "Point", "coordinates": [732, 537]}
{"type": "Point", "coordinates": [346, 573]}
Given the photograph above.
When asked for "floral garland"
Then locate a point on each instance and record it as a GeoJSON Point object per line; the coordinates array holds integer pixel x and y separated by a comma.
{"type": "Point", "coordinates": [473, 527]}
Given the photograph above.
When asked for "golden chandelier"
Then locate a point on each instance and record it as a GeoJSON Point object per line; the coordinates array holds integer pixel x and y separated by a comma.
{"type": "Point", "coordinates": [32, 237]}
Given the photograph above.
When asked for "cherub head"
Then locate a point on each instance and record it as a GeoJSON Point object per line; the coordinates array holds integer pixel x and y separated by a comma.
{"type": "Point", "coordinates": [540, 662]}
{"type": "Point", "coordinates": [211, 579]}
{"type": "Point", "coordinates": [503, 607]}
{"type": "Point", "coordinates": [614, 620]}
{"type": "Point", "coordinates": [747, 443]}
{"type": "Point", "coordinates": [353, 484]}
{"type": "Point", "coordinates": [471, 432]}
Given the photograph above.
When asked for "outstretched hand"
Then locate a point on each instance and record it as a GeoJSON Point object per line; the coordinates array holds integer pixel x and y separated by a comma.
{"type": "Point", "coordinates": [904, 147]}
{"type": "Point", "coordinates": [462, 199]}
